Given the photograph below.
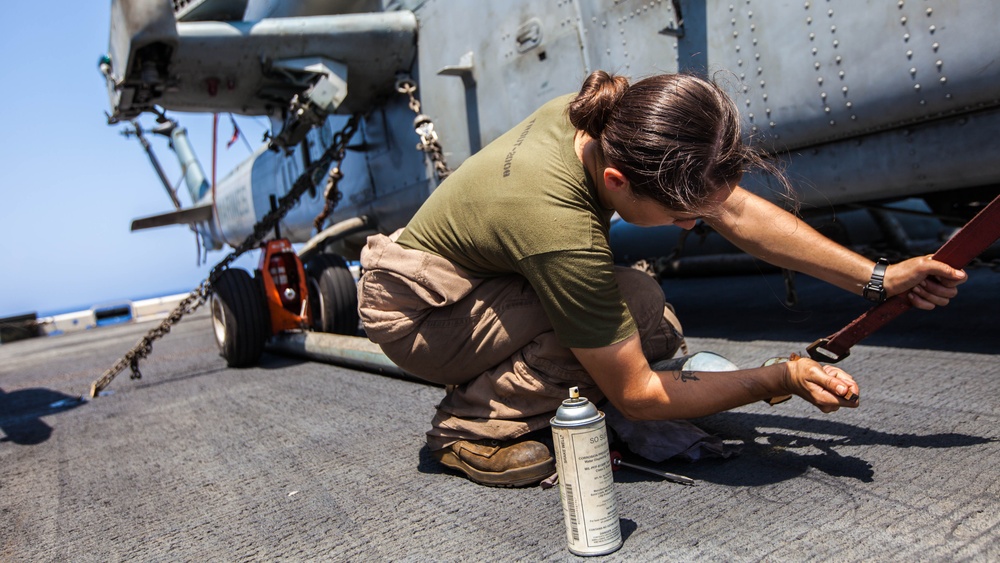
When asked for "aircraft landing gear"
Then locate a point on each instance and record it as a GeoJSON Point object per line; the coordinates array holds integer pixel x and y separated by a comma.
{"type": "Point", "coordinates": [239, 318]}
{"type": "Point", "coordinates": [333, 296]}
{"type": "Point", "coordinates": [284, 297]}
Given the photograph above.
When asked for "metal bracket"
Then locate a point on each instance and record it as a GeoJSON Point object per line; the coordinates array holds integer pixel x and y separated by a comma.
{"type": "Point", "coordinates": [311, 108]}
{"type": "Point", "coordinates": [675, 30]}
{"type": "Point", "coordinates": [466, 69]}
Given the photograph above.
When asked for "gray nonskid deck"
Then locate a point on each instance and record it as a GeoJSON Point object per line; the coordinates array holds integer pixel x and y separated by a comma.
{"type": "Point", "coordinates": [296, 460]}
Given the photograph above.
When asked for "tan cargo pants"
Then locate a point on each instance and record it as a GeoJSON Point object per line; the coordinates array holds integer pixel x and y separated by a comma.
{"type": "Point", "coordinates": [488, 340]}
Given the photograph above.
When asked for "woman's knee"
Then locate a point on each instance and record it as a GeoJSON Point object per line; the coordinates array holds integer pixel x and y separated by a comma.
{"type": "Point", "coordinates": [641, 291]}
{"type": "Point", "coordinates": [659, 328]}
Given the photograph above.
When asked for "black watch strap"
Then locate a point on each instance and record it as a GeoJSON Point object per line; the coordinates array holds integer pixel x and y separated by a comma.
{"type": "Point", "coordinates": [874, 290]}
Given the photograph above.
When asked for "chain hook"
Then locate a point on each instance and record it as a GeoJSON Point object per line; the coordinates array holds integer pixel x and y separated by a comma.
{"type": "Point", "coordinates": [424, 127]}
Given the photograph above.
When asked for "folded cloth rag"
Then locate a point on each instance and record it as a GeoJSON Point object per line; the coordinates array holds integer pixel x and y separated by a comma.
{"type": "Point", "coordinates": [659, 440]}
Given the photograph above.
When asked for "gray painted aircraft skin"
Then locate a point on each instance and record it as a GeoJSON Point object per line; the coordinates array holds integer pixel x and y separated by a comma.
{"type": "Point", "coordinates": [862, 100]}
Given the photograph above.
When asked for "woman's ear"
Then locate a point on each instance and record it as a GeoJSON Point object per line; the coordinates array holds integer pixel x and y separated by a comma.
{"type": "Point", "coordinates": [614, 180]}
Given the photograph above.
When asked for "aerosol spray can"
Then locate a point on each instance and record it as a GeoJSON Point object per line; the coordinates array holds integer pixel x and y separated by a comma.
{"type": "Point", "coordinates": [586, 485]}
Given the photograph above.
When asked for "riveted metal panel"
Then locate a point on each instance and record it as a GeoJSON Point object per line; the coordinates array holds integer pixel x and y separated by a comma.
{"type": "Point", "coordinates": [922, 158]}
{"type": "Point", "coordinates": [514, 77]}
{"type": "Point", "coordinates": [533, 75]}
{"type": "Point", "coordinates": [806, 72]}
{"type": "Point", "coordinates": [513, 74]}
{"type": "Point", "coordinates": [625, 36]}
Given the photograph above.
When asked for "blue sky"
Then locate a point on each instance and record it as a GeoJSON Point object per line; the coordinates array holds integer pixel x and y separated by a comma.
{"type": "Point", "coordinates": [71, 184]}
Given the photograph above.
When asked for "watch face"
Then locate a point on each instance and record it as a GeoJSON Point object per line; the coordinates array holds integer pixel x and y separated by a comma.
{"type": "Point", "coordinates": [874, 293]}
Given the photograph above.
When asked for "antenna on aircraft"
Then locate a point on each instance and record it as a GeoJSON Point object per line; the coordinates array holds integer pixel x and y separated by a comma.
{"type": "Point", "coordinates": [139, 134]}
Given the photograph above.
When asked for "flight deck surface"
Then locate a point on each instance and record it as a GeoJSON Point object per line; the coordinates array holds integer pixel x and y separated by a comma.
{"type": "Point", "coordinates": [296, 460]}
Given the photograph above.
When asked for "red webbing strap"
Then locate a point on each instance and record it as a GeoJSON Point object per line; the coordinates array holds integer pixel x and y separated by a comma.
{"type": "Point", "coordinates": [976, 236]}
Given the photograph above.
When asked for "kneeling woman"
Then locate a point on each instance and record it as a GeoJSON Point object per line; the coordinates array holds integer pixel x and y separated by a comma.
{"type": "Point", "coordinates": [503, 285]}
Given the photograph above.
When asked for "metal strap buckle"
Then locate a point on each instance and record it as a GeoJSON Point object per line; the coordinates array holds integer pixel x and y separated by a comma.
{"type": "Point", "coordinates": [819, 352]}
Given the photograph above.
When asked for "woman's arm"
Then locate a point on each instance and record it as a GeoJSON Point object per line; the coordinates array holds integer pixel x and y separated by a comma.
{"type": "Point", "coordinates": [624, 375]}
{"type": "Point", "coordinates": [770, 233]}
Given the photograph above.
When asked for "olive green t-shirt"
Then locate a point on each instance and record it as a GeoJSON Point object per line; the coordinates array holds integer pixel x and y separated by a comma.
{"type": "Point", "coordinates": [525, 205]}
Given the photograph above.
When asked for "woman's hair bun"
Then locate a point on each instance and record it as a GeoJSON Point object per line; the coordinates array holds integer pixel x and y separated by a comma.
{"type": "Point", "coordinates": [592, 107]}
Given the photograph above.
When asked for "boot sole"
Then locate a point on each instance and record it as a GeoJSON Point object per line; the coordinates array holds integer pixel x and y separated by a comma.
{"type": "Point", "coordinates": [520, 477]}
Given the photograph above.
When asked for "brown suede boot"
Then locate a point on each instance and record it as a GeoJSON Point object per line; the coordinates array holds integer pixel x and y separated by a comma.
{"type": "Point", "coordinates": [514, 463]}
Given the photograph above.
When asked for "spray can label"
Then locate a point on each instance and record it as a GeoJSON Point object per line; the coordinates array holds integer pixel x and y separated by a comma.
{"type": "Point", "coordinates": [586, 484]}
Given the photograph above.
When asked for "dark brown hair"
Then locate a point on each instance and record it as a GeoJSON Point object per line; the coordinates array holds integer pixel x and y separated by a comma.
{"type": "Point", "coordinates": [676, 137]}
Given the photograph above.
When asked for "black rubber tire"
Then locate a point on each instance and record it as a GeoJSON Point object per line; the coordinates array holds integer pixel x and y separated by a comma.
{"type": "Point", "coordinates": [239, 317]}
{"type": "Point", "coordinates": [333, 295]}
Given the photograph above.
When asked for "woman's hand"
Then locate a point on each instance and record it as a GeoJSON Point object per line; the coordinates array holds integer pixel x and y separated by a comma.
{"type": "Point", "coordinates": [930, 283]}
{"type": "Point", "coordinates": [827, 387]}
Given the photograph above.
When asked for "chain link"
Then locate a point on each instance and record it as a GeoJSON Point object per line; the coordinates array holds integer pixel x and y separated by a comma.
{"type": "Point", "coordinates": [424, 127]}
{"type": "Point", "coordinates": [131, 359]}
{"type": "Point", "coordinates": [331, 195]}
{"type": "Point", "coordinates": [199, 295]}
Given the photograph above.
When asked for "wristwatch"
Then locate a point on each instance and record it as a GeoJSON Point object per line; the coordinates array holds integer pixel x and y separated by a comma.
{"type": "Point", "coordinates": [874, 290]}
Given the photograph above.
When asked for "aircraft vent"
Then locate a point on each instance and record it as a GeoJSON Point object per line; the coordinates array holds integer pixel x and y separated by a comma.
{"type": "Point", "coordinates": [209, 10]}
